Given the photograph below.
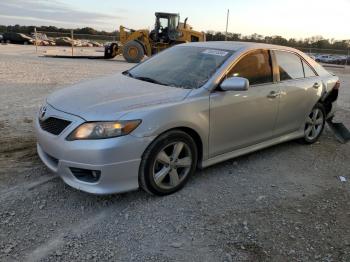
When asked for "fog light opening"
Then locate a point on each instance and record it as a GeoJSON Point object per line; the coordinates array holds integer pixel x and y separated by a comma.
{"type": "Point", "coordinates": [85, 175]}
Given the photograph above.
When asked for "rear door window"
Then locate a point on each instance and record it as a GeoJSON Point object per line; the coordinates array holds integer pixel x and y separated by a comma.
{"type": "Point", "coordinates": [255, 66]}
{"type": "Point", "coordinates": [290, 65]}
{"type": "Point", "coordinates": [308, 70]}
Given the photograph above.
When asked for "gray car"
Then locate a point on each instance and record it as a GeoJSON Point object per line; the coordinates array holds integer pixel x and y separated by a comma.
{"type": "Point", "coordinates": [189, 107]}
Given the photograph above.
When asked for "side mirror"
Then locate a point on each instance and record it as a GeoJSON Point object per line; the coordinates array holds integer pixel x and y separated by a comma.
{"type": "Point", "coordinates": [235, 84]}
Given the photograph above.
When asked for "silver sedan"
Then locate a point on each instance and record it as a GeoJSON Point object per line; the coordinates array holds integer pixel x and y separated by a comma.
{"type": "Point", "coordinates": [189, 107]}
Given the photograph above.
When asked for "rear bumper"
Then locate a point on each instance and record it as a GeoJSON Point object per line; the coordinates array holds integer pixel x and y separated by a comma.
{"type": "Point", "coordinates": [116, 160]}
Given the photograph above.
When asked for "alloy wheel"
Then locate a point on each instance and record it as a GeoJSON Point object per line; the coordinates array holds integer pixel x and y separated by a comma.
{"type": "Point", "coordinates": [172, 165]}
{"type": "Point", "coordinates": [314, 124]}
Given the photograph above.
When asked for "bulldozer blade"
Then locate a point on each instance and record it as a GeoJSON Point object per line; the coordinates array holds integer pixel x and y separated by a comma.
{"type": "Point", "coordinates": [340, 131]}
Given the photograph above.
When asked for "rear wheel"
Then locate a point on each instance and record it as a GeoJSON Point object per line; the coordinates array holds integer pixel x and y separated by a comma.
{"type": "Point", "coordinates": [168, 163]}
{"type": "Point", "coordinates": [133, 52]}
{"type": "Point", "coordinates": [314, 125]}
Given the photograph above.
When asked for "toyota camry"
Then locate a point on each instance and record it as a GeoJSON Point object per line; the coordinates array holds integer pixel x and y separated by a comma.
{"type": "Point", "coordinates": [191, 106]}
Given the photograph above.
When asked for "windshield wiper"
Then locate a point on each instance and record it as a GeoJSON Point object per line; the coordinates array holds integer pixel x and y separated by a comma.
{"type": "Point", "coordinates": [128, 74]}
{"type": "Point", "coordinates": [149, 79]}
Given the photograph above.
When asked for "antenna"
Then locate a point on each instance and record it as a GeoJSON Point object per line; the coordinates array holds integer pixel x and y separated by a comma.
{"type": "Point", "coordinates": [228, 15]}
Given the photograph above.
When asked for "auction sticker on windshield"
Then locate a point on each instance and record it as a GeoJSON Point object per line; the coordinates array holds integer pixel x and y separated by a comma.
{"type": "Point", "coordinates": [215, 52]}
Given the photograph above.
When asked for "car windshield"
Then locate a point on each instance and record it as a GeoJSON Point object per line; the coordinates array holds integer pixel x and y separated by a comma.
{"type": "Point", "coordinates": [186, 67]}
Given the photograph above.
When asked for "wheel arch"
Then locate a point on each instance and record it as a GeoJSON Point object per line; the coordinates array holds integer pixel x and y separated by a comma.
{"type": "Point", "coordinates": [328, 99]}
{"type": "Point", "coordinates": [197, 139]}
{"type": "Point", "coordinates": [191, 132]}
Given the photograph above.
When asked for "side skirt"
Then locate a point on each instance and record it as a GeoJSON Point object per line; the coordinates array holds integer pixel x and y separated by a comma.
{"type": "Point", "coordinates": [253, 148]}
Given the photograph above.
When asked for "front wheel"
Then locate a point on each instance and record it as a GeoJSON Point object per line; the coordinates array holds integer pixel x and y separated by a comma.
{"type": "Point", "coordinates": [168, 163]}
{"type": "Point", "coordinates": [111, 51]}
{"type": "Point", "coordinates": [133, 52]}
{"type": "Point", "coordinates": [314, 125]}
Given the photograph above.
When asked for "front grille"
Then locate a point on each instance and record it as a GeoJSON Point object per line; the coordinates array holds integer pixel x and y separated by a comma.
{"type": "Point", "coordinates": [54, 125]}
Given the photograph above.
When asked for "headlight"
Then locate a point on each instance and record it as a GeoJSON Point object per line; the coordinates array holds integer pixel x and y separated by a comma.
{"type": "Point", "coordinates": [102, 130]}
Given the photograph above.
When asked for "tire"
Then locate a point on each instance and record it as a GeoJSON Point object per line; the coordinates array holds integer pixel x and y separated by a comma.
{"type": "Point", "coordinates": [133, 52]}
{"type": "Point", "coordinates": [160, 160]}
{"type": "Point", "coordinates": [314, 124]}
{"type": "Point", "coordinates": [111, 51]}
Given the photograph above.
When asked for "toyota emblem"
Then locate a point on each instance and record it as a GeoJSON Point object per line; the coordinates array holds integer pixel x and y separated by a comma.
{"type": "Point", "coordinates": [42, 112]}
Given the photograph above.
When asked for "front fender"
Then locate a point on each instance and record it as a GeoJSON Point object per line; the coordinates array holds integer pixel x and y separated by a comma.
{"type": "Point", "coordinates": [190, 113]}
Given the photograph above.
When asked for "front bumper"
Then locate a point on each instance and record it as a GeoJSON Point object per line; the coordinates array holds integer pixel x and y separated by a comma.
{"type": "Point", "coordinates": [117, 159]}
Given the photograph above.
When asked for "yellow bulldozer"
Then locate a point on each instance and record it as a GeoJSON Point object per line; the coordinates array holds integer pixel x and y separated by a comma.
{"type": "Point", "coordinates": [168, 31]}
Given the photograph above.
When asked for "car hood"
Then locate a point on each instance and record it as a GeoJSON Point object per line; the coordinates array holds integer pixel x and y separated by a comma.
{"type": "Point", "coordinates": [111, 97]}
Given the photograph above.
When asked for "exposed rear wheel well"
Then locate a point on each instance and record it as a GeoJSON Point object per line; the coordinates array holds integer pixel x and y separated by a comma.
{"type": "Point", "coordinates": [327, 107]}
{"type": "Point", "coordinates": [327, 102]}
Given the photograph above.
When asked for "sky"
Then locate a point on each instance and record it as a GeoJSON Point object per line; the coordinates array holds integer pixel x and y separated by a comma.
{"type": "Point", "coordinates": [290, 19]}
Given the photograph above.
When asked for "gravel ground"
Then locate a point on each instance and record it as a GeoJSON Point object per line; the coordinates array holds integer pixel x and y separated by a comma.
{"type": "Point", "coordinates": [284, 203]}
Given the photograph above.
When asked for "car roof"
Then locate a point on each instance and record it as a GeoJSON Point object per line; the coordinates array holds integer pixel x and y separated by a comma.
{"type": "Point", "coordinates": [238, 46]}
{"type": "Point", "coordinates": [242, 47]}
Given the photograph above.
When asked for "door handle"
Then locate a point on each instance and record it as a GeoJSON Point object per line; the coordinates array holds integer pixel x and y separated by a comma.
{"type": "Point", "coordinates": [273, 94]}
{"type": "Point", "coordinates": [316, 85]}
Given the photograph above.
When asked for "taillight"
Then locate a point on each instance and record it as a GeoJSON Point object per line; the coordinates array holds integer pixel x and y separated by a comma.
{"type": "Point", "coordinates": [337, 85]}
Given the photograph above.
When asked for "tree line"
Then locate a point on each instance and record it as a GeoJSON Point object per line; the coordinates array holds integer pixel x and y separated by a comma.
{"type": "Point", "coordinates": [311, 42]}
{"type": "Point", "coordinates": [53, 29]}
{"type": "Point", "coordinates": [317, 42]}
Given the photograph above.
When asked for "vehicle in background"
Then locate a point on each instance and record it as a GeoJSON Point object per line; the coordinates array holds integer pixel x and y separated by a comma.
{"type": "Point", "coordinates": [168, 31]}
{"type": "Point", "coordinates": [324, 58]}
{"type": "Point", "coordinates": [67, 41]}
{"type": "Point", "coordinates": [311, 55]}
{"type": "Point", "coordinates": [64, 41]}
{"type": "Point", "coordinates": [194, 104]}
{"type": "Point", "coordinates": [134, 45]}
{"type": "Point", "coordinates": [86, 43]}
{"type": "Point", "coordinates": [42, 39]}
{"type": "Point", "coordinates": [332, 59]}
{"type": "Point", "coordinates": [96, 44]}
{"type": "Point", "coordinates": [17, 38]}
{"type": "Point", "coordinates": [342, 60]}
